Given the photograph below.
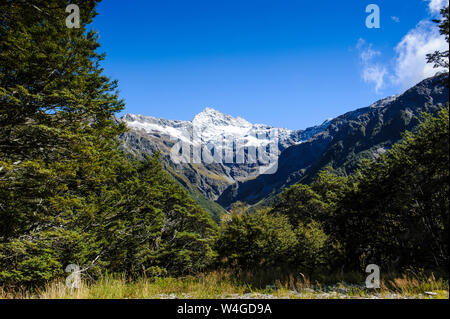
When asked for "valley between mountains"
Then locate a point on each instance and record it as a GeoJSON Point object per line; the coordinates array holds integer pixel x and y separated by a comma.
{"type": "Point", "coordinates": [340, 143]}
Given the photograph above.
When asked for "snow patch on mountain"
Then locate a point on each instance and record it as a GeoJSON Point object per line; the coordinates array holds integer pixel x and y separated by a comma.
{"type": "Point", "coordinates": [213, 127]}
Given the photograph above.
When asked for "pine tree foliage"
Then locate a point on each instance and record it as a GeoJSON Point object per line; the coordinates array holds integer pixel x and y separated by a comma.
{"type": "Point", "coordinates": [67, 194]}
{"type": "Point", "coordinates": [399, 213]}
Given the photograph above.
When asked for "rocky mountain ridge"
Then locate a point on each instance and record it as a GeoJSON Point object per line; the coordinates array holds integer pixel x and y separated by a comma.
{"type": "Point", "coordinates": [340, 143]}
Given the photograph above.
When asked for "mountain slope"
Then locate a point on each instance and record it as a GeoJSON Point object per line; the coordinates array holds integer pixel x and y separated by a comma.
{"type": "Point", "coordinates": [362, 133]}
{"type": "Point", "coordinates": [211, 128]}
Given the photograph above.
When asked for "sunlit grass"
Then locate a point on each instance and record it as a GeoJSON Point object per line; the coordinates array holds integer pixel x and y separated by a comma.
{"type": "Point", "coordinates": [221, 284]}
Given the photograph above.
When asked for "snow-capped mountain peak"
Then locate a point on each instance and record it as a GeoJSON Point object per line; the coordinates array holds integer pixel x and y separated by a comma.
{"type": "Point", "coordinates": [213, 117]}
{"type": "Point", "coordinates": [211, 126]}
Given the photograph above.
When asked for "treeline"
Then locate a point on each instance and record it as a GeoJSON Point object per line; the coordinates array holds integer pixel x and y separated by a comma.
{"type": "Point", "coordinates": [394, 212]}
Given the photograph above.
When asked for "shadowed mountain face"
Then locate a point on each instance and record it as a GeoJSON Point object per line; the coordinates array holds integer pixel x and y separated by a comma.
{"type": "Point", "coordinates": [363, 133]}
{"type": "Point", "coordinates": [340, 142]}
{"type": "Point", "coordinates": [149, 134]}
{"type": "Point", "coordinates": [205, 182]}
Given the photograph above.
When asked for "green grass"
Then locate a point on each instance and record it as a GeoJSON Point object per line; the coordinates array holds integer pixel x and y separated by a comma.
{"type": "Point", "coordinates": [221, 284]}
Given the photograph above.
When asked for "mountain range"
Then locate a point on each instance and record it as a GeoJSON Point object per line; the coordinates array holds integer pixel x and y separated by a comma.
{"type": "Point", "coordinates": [340, 142]}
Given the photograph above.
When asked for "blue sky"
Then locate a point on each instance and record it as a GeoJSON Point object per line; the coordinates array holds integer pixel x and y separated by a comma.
{"type": "Point", "coordinates": [284, 63]}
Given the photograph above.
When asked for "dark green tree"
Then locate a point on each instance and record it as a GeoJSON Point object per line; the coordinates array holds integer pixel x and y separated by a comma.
{"type": "Point", "coordinates": [398, 216]}
{"type": "Point", "coordinates": [301, 204]}
{"type": "Point", "coordinates": [57, 146]}
{"type": "Point", "coordinates": [67, 194]}
{"type": "Point", "coordinates": [255, 241]}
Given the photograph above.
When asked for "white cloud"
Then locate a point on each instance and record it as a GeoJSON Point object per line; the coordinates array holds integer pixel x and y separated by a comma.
{"type": "Point", "coordinates": [395, 19]}
{"type": "Point", "coordinates": [372, 72]}
{"type": "Point", "coordinates": [410, 63]}
{"type": "Point", "coordinates": [361, 43]}
{"type": "Point", "coordinates": [435, 6]}
{"type": "Point", "coordinates": [375, 74]}
{"type": "Point", "coordinates": [368, 54]}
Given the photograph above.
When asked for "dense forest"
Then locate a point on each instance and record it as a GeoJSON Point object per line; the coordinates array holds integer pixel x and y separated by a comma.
{"type": "Point", "coordinates": [70, 195]}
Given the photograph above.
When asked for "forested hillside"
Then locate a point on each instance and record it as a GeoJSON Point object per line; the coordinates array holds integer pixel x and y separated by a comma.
{"type": "Point", "coordinates": [68, 195]}
{"type": "Point", "coordinates": [349, 138]}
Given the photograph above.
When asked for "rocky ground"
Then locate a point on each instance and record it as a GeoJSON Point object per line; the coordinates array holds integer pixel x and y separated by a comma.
{"type": "Point", "coordinates": [329, 292]}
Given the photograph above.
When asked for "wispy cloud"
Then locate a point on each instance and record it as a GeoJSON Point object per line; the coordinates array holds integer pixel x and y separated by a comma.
{"type": "Point", "coordinates": [409, 64]}
{"type": "Point", "coordinates": [395, 19]}
{"type": "Point", "coordinates": [372, 71]}
{"type": "Point", "coordinates": [435, 6]}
